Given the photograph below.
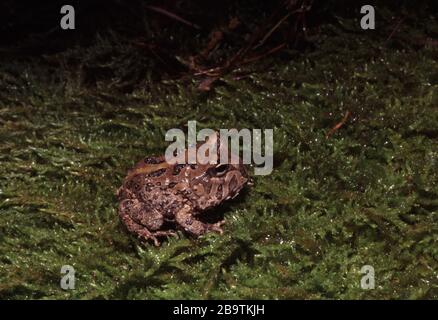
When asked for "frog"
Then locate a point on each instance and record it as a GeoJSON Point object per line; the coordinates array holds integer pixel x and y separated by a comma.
{"type": "Point", "coordinates": [158, 198]}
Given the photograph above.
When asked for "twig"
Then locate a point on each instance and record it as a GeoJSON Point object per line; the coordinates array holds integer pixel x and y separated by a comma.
{"type": "Point", "coordinates": [173, 16]}
{"type": "Point", "coordinates": [272, 30]}
{"type": "Point", "coordinates": [273, 50]}
{"type": "Point", "coordinates": [338, 125]}
{"type": "Point", "coordinates": [397, 26]}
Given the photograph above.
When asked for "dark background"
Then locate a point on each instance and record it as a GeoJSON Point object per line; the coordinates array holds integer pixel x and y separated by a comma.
{"type": "Point", "coordinates": [355, 121]}
{"type": "Point", "coordinates": [26, 20]}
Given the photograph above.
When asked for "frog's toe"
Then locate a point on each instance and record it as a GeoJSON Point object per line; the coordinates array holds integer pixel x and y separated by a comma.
{"type": "Point", "coordinates": [217, 227]}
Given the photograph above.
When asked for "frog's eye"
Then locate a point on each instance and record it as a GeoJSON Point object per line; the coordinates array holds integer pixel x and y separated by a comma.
{"type": "Point", "coordinates": [221, 169]}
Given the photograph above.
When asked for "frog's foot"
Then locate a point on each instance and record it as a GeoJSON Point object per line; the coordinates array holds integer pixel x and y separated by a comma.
{"type": "Point", "coordinates": [165, 233]}
{"type": "Point", "coordinates": [154, 235]}
{"type": "Point", "coordinates": [145, 234]}
{"type": "Point", "coordinates": [217, 227]}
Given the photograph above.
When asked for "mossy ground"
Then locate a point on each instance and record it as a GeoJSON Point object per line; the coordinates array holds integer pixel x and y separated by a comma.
{"type": "Point", "coordinates": [367, 195]}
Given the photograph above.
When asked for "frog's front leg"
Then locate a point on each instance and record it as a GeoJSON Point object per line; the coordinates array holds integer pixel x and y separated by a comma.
{"type": "Point", "coordinates": [185, 218]}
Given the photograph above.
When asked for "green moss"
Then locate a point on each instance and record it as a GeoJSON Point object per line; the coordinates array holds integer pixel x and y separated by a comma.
{"type": "Point", "coordinates": [366, 195]}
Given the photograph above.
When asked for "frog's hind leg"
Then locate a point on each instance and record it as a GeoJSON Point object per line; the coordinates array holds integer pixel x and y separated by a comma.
{"type": "Point", "coordinates": [138, 229]}
{"type": "Point", "coordinates": [190, 224]}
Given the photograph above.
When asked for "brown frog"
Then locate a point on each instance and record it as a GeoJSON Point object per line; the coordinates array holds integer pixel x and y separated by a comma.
{"type": "Point", "coordinates": [157, 196]}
